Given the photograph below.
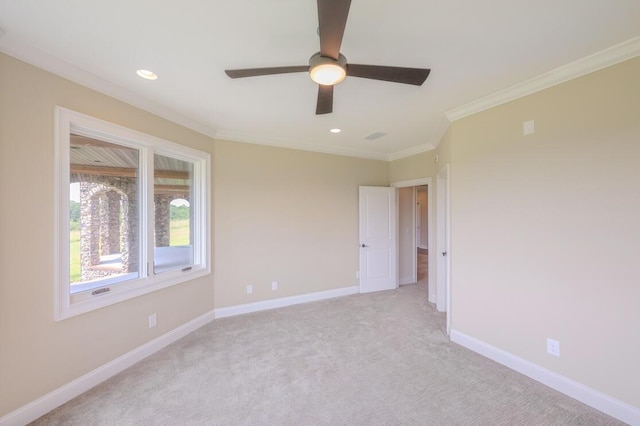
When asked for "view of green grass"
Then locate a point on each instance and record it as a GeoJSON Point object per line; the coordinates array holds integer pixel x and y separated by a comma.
{"type": "Point", "coordinates": [74, 255]}
{"type": "Point", "coordinates": [179, 232]}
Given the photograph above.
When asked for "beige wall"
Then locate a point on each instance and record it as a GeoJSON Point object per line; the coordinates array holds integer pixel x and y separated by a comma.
{"type": "Point", "coordinates": [546, 229]}
{"type": "Point", "coordinates": [414, 167]}
{"type": "Point", "coordinates": [287, 216]}
{"type": "Point", "coordinates": [424, 164]}
{"type": "Point", "coordinates": [280, 215]}
{"type": "Point", "coordinates": [38, 354]}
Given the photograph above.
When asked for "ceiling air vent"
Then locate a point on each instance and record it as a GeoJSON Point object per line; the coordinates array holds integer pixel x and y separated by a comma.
{"type": "Point", "coordinates": [374, 136]}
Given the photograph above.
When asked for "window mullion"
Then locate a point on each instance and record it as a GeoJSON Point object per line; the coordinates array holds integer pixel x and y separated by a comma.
{"type": "Point", "coordinates": [198, 213]}
{"type": "Point", "coordinates": [147, 219]}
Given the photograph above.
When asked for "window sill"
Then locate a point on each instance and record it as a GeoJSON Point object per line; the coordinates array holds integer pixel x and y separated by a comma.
{"type": "Point", "coordinates": [119, 292]}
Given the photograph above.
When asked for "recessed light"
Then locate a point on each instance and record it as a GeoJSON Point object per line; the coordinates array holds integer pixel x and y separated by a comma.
{"type": "Point", "coordinates": [335, 130]}
{"type": "Point", "coordinates": [149, 75]}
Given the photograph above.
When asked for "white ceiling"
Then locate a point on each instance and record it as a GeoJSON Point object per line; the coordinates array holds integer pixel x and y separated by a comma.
{"type": "Point", "coordinates": [473, 47]}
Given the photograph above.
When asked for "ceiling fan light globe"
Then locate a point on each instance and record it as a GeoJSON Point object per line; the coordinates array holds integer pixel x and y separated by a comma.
{"type": "Point", "coordinates": [327, 74]}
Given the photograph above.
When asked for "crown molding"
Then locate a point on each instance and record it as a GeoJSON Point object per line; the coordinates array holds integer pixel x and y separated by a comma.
{"type": "Point", "coordinates": [438, 134]}
{"type": "Point", "coordinates": [281, 143]}
{"type": "Point", "coordinates": [410, 151]}
{"type": "Point", "coordinates": [47, 62]}
{"type": "Point", "coordinates": [434, 141]}
{"type": "Point", "coordinates": [605, 58]}
{"type": "Point", "coordinates": [599, 60]}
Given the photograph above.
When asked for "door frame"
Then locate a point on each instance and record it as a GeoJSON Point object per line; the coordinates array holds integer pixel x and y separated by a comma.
{"type": "Point", "coordinates": [414, 261]}
{"type": "Point", "coordinates": [418, 218]}
{"type": "Point", "coordinates": [443, 245]}
{"type": "Point", "coordinates": [428, 181]}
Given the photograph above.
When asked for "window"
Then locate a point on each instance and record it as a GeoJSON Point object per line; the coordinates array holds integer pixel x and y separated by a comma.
{"type": "Point", "coordinates": [132, 213]}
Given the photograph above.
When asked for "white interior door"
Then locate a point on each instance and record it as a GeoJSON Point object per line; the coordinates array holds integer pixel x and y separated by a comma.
{"type": "Point", "coordinates": [378, 249]}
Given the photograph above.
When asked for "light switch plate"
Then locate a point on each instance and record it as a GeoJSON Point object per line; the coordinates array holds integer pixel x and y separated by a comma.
{"type": "Point", "coordinates": [528, 128]}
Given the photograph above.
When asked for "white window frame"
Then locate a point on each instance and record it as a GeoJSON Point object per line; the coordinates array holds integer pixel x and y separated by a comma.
{"type": "Point", "coordinates": [67, 304]}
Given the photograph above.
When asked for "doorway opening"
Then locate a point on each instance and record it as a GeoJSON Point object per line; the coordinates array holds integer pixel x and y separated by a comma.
{"type": "Point", "coordinates": [422, 232]}
{"type": "Point", "coordinates": [415, 236]}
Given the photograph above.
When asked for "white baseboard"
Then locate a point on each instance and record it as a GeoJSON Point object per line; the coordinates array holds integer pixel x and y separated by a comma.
{"type": "Point", "coordinates": [406, 280]}
{"type": "Point", "coordinates": [63, 394]}
{"type": "Point", "coordinates": [284, 301]}
{"type": "Point", "coordinates": [593, 398]}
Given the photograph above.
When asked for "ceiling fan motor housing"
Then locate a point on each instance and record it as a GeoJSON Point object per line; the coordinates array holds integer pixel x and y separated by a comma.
{"type": "Point", "coordinates": [321, 67]}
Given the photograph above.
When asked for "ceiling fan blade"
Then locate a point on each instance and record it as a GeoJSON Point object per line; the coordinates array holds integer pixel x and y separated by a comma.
{"type": "Point", "coordinates": [332, 19]}
{"type": "Point", "coordinates": [415, 76]}
{"type": "Point", "coordinates": [254, 72]}
{"type": "Point", "coordinates": [325, 100]}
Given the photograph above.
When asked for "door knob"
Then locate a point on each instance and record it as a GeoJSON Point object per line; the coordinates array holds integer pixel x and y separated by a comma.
{"type": "Point", "coordinates": [364, 245]}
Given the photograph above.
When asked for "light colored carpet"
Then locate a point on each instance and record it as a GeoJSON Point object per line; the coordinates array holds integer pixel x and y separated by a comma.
{"type": "Point", "coordinates": [372, 359]}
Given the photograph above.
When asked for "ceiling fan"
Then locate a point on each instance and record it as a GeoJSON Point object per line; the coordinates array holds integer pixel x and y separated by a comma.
{"type": "Point", "coordinates": [329, 67]}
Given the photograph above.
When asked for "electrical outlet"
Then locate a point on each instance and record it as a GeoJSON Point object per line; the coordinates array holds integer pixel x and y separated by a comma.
{"type": "Point", "coordinates": [249, 289]}
{"type": "Point", "coordinates": [553, 347]}
{"type": "Point", "coordinates": [153, 320]}
{"type": "Point", "coordinates": [274, 286]}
